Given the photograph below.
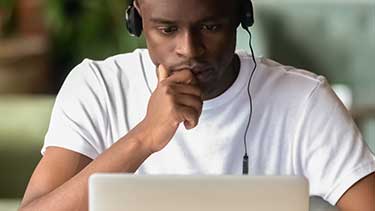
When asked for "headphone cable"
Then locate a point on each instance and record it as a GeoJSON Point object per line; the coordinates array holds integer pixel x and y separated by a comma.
{"type": "Point", "coordinates": [245, 162]}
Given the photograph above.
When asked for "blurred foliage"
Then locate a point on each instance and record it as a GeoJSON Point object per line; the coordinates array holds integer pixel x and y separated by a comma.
{"type": "Point", "coordinates": [87, 29]}
{"type": "Point", "coordinates": [7, 17]}
{"type": "Point", "coordinates": [6, 6]}
{"type": "Point", "coordinates": [78, 29]}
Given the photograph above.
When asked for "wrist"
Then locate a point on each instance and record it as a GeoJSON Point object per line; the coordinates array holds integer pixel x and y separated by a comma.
{"type": "Point", "coordinates": [141, 136]}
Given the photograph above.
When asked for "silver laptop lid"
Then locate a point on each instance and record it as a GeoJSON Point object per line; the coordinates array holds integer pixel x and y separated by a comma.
{"type": "Point", "coordinates": [127, 192]}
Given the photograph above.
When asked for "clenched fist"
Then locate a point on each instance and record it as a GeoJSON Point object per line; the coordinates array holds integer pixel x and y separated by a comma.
{"type": "Point", "coordinates": [177, 98]}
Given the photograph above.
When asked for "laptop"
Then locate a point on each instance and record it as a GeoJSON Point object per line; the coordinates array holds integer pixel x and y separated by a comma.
{"type": "Point", "coordinates": [129, 192]}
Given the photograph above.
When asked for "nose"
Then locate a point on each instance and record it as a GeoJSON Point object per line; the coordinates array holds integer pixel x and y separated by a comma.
{"type": "Point", "coordinates": [190, 45]}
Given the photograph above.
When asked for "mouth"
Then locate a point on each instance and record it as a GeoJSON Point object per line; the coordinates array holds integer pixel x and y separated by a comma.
{"type": "Point", "coordinates": [195, 69]}
{"type": "Point", "coordinates": [202, 73]}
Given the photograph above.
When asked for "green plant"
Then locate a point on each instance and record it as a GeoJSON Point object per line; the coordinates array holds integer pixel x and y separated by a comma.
{"type": "Point", "coordinates": [87, 29]}
{"type": "Point", "coordinates": [6, 17]}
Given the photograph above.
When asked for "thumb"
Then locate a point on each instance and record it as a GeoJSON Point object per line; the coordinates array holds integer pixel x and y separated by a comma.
{"type": "Point", "coordinates": [163, 73]}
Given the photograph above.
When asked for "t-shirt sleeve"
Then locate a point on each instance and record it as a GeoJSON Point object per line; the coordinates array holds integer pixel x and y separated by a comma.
{"type": "Point", "coordinates": [330, 149]}
{"type": "Point", "coordinates": [78, 121]}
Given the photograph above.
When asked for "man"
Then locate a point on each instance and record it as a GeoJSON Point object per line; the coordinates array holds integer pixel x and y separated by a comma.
{"type": "Point", "coordinates": [120, 115]}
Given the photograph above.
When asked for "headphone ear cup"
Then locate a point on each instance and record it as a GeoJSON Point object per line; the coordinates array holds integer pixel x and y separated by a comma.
{"type": "Point", "coordinates": [247, 14]}
{"type": "Point", "coordinates": [133, 21]}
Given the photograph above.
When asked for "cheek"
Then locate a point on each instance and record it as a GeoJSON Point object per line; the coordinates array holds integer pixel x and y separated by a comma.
{"type": "Point", "coordinates": [158, 48]}
{"type": "Point", "coordinates": [222, 48]}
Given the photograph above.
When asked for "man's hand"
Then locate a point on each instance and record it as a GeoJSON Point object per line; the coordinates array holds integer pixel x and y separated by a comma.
{"type": "Point", "coordinates": [176, 99]}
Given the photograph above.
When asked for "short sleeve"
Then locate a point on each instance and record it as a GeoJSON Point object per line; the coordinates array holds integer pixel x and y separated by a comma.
{"type": "Point", "coordinates": [330, 150]}
{"type": "Point", "coordinates": [78, 120]}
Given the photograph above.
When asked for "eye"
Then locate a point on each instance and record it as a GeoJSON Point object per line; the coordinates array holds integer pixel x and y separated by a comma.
{"type": "Point", "coordinates": [167, 30]}
{"type": "Point", "coordinates": [210, 27]}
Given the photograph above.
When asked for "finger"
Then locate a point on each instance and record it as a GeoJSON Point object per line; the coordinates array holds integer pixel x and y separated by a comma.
{"type": "Point", "coordinates": [189, 116]}
{"type": "Point", "coordinates": [184, 76]}
{"type": "Point", "coordinates": [162, 73]}
{"type": "Point", "coordinates": [188, 125]}
{"type": "Point", "coordinates": [187, 89]}
{"type": "Point", "coordinates": [190, 101]}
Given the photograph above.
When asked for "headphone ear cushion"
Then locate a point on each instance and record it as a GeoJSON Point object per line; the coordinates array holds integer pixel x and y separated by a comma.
{"type": "Point", "coordinates": [133, 21]}
{"type": "Point", "coordinates": [247, 14]}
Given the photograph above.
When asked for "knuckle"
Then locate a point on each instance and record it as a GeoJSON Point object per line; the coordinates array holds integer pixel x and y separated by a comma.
{"type": "Point", "coordinates": [197, 91]}
{"type": "Point", "coordinates": [175, 109]}
{"type": "Point", "coordinates": [190, 76]}
{"type": "Point", "coordinates": [171, 102]}
{"type": "Point", "coordinates": [193, 113]}
{"type": "Point", "coordinates": [163, 83]}
{"type": "Point", "coordinates": [189, 73]}
{"type": "Point", "coordinates": [198, 101]}
{"type": "Point", "coordinates": [166, 88]}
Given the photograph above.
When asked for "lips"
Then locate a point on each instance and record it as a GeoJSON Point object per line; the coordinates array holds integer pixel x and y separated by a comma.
{"type": "Point", "coordinates": [201, 74]}
{"type": "Point", "coordinates": [202, 71]}
{"type": "Point", "coordinates": [195, 69]}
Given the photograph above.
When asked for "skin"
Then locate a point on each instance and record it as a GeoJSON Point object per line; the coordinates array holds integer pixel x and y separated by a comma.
{"type": "Point", "coordinates": [195, 36]}
{"type": "Point", "coordinates": [60, 181]}
{"type": "Point", "coordinates": [361, 196]}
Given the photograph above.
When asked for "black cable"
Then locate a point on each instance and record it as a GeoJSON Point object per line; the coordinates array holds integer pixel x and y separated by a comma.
{"type": "Point", "coordinates": [245, 163]}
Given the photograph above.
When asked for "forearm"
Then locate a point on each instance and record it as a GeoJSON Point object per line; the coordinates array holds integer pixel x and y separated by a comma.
{"type": "Point", "coordinates": [126, 155]}
{"type": "Point", "coordinates": [361, 196]}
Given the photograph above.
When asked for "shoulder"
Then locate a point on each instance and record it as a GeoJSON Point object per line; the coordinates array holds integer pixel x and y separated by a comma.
{"type": "Point", "coordinates": [103, 74]}
{"type": "Point", "coordinates": [276, 75]}
{"type": "Point", "coordinates": [289, 78]}
{"type": "Point", "coordinates": [120, 62]}
{"type": "Point", "coordinates": [275, 83]}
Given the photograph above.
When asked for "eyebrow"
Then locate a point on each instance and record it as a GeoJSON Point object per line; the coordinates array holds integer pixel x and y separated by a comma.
{"type": "Point", "coordinates": [163, 21]}
{"type": "Point", "coordinates": [206, 19]}
{"type": "Point", "coordinates": [215, 18]}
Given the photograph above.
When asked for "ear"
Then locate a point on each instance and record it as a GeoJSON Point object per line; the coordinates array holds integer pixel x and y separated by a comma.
{"type": "Point", "coordinates": [137, 6]}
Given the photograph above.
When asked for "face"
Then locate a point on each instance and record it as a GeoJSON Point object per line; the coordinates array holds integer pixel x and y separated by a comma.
{"type": "Point", "coordinates": [199, 35]}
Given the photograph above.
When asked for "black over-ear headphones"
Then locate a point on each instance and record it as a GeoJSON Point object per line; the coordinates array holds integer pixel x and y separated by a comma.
{"type": "Point", "coordinates": [134, 26]}
{"type": "Point", "coordinates": [134, 20]}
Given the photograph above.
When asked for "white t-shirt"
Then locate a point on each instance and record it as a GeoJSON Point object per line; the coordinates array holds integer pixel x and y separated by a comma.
{"type": "Point", "coordinates": [299, 127]}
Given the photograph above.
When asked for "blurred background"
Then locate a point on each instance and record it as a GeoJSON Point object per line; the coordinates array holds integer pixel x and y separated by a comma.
{"type": "Point", "coordinates": [42, 40]}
